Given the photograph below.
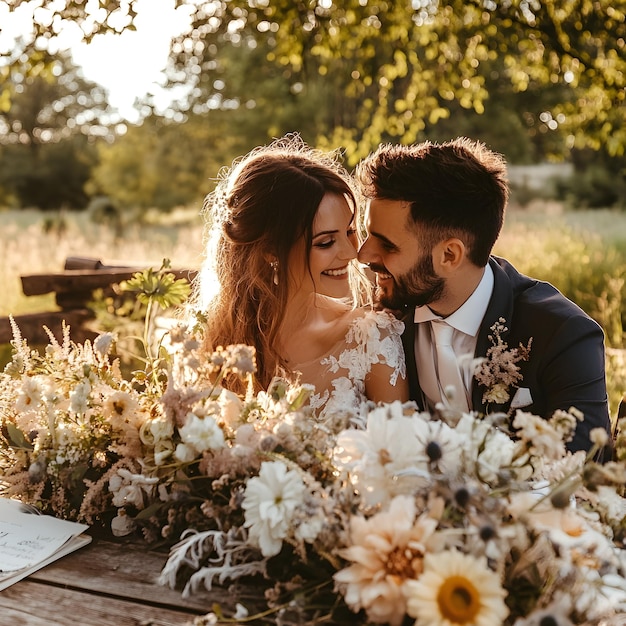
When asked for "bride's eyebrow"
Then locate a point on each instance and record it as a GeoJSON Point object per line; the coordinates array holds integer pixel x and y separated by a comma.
{"type": "Point", "coordinates": [332, 232]}
{"type": "Point", "coordinates": [325, 232]}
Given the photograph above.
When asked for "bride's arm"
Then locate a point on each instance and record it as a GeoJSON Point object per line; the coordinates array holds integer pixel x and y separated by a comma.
{"type": "Point", "coordinates": [387, 380]}
{"type": "Point", "coordinates": [379, 388]}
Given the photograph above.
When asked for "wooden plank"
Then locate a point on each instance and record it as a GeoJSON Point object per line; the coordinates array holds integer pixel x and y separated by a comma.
{"type": "Point", "coordinates": [30, 603]}
{"type": "Point", "coordinates": [85, 280]}
{"type": "Point", "coordinates": [123, 570]}
{"type": "Point", "coordinates": [110, 583]}
{"type": "Point", "coordinates": [31, 326]}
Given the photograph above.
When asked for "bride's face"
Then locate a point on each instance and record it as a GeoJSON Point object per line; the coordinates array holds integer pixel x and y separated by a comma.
{"type": "Point", "coordinates": [333, 248]}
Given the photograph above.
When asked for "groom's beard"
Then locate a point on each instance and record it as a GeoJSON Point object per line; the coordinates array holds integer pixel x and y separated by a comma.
{"type": "Point", "coordinates": [419, 286]}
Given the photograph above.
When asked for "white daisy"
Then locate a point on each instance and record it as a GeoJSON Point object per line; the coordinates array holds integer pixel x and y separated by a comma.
{"type": "Point", "coordinates": [456, 590]}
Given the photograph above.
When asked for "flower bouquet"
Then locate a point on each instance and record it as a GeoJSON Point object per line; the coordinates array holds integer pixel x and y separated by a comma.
{"type": "Point", "coordinates": [433, 519]}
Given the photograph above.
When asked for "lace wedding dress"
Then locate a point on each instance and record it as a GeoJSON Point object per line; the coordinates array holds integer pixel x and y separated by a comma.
{"type": "Point", "coordinates": [339, 378]}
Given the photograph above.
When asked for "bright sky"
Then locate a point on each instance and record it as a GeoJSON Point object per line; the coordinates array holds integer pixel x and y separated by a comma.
{"type": "Point", "coordinates": [128, 65]}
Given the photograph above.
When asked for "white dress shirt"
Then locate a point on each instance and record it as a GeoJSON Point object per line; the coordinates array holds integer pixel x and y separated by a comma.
{"type": "Point", "coordinates": [466, 321]}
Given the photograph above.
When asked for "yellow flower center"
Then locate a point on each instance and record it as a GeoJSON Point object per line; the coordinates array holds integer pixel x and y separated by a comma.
{"type": "Point", "coordinates": [458, 600]}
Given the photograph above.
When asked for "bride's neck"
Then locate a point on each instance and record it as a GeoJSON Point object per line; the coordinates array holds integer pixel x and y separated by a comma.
{"type": "Point", "coordinates": [308, 323]}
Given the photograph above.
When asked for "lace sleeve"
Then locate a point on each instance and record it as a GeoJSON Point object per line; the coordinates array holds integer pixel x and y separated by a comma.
{"type": "Point", "coordinates": [374, 337]}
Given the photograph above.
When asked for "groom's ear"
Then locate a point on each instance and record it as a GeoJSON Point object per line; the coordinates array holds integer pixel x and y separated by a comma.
{"type": "Point", "coordinates": [448, 255]}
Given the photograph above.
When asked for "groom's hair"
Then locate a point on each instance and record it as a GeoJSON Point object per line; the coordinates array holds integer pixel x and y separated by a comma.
{"type": "Point", "coordinates": [458, 188]}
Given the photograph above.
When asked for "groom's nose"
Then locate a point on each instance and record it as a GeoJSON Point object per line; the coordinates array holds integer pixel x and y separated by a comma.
{"type": "Point", "coordinates": [365, 254]}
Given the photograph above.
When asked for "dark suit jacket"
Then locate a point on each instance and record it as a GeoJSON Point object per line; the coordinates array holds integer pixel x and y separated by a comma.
{"type": "Point", "coordinates": [566, 364]}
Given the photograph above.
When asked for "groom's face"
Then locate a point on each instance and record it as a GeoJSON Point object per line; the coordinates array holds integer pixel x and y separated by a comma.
{"type": "Point", "coordinates": [404, 270]}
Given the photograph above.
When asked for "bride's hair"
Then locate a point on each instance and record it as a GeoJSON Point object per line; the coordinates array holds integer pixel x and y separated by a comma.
{"type": "Point", "coordinates": [261, 207]}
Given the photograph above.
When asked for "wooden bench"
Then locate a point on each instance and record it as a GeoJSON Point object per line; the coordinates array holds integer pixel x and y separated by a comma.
{"type": "Point", "coordinates": [73, 288]}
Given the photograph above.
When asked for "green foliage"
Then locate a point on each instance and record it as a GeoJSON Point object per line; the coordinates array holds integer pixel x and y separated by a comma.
{"type": "Point", "coordinates": [599, 181]}
{"type": "Point", "coordinates": [532, 80]}
{"type": "Point", "coordinates": [390, 70]}
{"type": "Point", "coordinates": [161, 164]}
{"type": "Point", "coordinates": [46, 134]}
{"type": "Point", "coordinates": [51, 177]}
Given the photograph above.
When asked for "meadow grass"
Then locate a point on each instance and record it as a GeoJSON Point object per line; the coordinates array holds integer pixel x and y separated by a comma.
{"type": "Point", "coordinates": [32, 242]}
{"type": "Point", "coordinates": [582, 253]}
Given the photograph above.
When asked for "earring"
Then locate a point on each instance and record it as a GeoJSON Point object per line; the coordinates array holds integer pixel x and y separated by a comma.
{"type": "Point", "coordinates": [274, 266]}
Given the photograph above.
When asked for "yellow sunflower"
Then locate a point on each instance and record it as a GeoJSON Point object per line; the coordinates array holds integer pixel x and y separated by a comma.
{"type": "Point", "coordinates": [456, 589]}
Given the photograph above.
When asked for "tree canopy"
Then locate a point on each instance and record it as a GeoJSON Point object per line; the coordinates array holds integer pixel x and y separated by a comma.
{"type": "Point", "coordinates": [533, 78]}
{"type": "Point", "coordinates": [387, 70]}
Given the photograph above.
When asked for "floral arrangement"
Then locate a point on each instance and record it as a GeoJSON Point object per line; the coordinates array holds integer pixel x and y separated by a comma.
{"type": "Point", "coordinates": [499, 371]}
{"type": "Point", "coordinates": [438, 519]}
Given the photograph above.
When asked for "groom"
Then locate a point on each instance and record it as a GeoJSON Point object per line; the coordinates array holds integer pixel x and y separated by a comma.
{"type": "Point", "coordinates": [433, 216]}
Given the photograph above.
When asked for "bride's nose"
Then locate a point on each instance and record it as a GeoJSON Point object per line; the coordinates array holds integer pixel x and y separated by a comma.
{"type": "Point", "coordinates": [348, 251]}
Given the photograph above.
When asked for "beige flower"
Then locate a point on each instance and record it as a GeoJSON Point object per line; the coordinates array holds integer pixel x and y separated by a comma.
{"type": "Point", "coordinates": [386, 551]}
{"type": "Point", "coordinates": [456, 590]}
{"type": "Point", "coordinates": [498, 394]}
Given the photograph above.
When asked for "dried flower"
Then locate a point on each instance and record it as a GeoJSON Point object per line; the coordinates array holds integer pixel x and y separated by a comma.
{"type": "Point", "coordinates": [499, 370]}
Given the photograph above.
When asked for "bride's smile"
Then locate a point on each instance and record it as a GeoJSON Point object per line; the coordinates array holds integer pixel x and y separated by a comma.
{"type": "Point", "coordinates": [333, 248]}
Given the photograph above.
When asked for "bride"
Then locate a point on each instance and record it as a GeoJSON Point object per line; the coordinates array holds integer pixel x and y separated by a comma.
{"type": "Point", "coordinates": [281, 249]}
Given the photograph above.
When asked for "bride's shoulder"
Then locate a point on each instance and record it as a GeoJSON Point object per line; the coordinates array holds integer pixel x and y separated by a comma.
{"type": "Point", "coordinates": [381, 319]}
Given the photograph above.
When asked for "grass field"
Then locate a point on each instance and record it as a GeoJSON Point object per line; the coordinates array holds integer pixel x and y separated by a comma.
{"type": "Point", "coordinates": [32, 242]}
{"type": "Point", "coordinates": [583, 253]}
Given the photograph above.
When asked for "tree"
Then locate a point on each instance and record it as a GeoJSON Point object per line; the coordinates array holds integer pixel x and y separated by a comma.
{"type": "Point", "coordinates": [47, 132]}
{"type": "Point", "coordinates": [390, 68]}
{"type": "Point", "coordinates": [163, 164]}
{"type": "Point", "coordinates": [393, 69]}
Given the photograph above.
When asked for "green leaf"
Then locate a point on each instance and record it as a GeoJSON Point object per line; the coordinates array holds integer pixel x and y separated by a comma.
{"type": "Point", "coordinates": [18, 438]}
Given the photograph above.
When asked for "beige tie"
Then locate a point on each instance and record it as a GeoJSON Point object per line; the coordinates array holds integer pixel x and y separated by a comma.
{"type": "Point", "coordinates": [448, 371]}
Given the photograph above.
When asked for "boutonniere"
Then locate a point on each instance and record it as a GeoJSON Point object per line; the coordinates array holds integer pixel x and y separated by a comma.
{"type": "Point", "coordinates": [498, 371]}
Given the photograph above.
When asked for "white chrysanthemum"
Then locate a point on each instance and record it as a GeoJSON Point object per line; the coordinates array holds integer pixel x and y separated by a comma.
{"type": "Point", "coordinates": [269, 502]}
{"type": "Point", "coordinates": [456, 589]}
{"type": "Point", "coordinates": [611, 504]}
{"type": "Point", "coordinates": [386, 550]}
{"type": "Point", "coordinates": [377, 457]}
{"type": "Point", "coordinates": [565, 527]}
{"type": "Point", "coordinates": [230, 407]}
{"type": "Point", "coordinates": [121, 409]}
{"type": "Point", "coordinates": [159, 429]}
{"type": "Point", "coordinates": [599, 595]}
{"type": "Point", "coordinates": [201, 434]}
{"type": "Point", "coordinates": [122, 524]}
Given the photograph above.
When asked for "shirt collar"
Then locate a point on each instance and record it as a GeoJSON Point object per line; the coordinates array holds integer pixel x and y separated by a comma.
{"type": "Point", "coordinates": [468, 317]}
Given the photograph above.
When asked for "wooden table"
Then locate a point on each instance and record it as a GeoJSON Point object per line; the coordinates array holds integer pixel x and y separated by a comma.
{"type": "Point", "coordinates": [106, 583]}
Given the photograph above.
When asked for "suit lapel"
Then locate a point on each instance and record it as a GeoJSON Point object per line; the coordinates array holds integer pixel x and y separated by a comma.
{"type": "Point", "coordinates": [408, 341]}
{"type": "Point", "coordinates": [500, 306]}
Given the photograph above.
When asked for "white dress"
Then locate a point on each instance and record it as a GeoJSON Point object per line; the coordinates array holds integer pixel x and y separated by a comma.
{"type": "Point", "coordinates": [339, 378]}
